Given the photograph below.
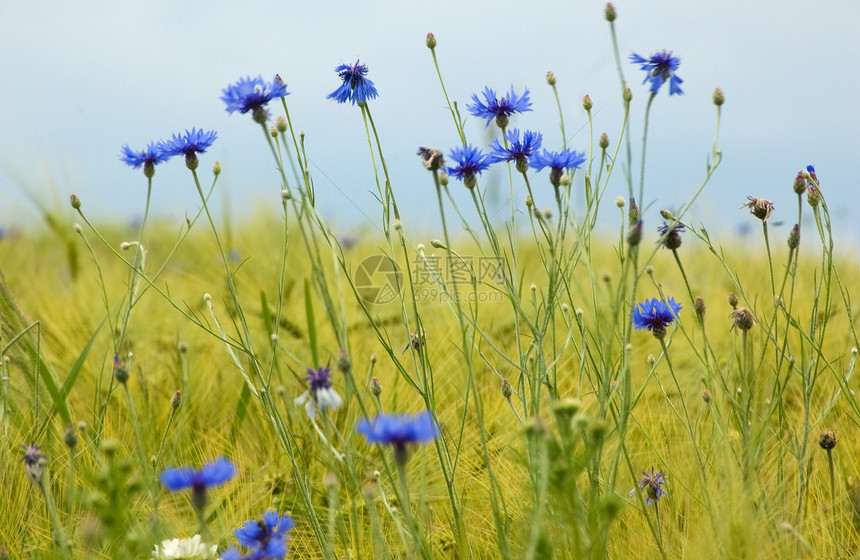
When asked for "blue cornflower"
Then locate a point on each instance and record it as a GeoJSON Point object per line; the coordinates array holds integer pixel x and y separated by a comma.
{"type": "Point", "coordinates": [660, 67]}
{"type": "Point", "coordinates": [189, 144]}
{"type": "Point", "coordinates": [652, 484]}
{"type": "Point", "coordinates": [320, 395]}
{"type": "Point", "coordinates": [519, 151]}
{"type": "Point", "coordinates": [265, 537]}
{"type": "Point", "coordinates": [252, 94]}
{"type": "Point", "coordinates": [148, 158]}
{"type": "Point", "coordinates": [655, 315]}
{"type": "Point", "coordinates": [399, 431]}
{"type": "Point", "coordinates": [356, 88]}
{"type": "Point", "coordinates": [470, 162]}
{"type": "Point", "coordinates": [557, 162]}
{"type": "Point", "coordinates": [211, 474]}
{"type": "Point", "coordinates": [499, 109]}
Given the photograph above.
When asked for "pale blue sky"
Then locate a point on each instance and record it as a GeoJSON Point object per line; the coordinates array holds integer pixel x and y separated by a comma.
{"type": "Point", "coordinates": [83, 78]}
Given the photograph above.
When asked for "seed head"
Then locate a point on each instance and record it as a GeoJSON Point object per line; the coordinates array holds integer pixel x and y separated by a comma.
{"type": "Point", "coordinates": [742, 319]}
{"type": "Point", "coordinates": [733, 300]}
{"type": "Point", "coordinates": [827, 441]}
{"type": "Point", "coordinates": [759, 207]}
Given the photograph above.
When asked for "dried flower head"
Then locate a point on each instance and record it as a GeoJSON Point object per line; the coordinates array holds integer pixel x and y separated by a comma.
{"type": "Point", "coordinates": [759, 207]}
{"type": "Point", "coordinates": [742, 319]}
{"type": "Point", "coordinates": [670, 235]}
{"type": "Point", "coordinates": [827, 441]}
{"type": "Point", "coordinates": [433, 158]}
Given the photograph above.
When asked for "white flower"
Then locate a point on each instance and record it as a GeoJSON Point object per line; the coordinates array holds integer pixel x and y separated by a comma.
{"type": "Point", "coordinates": [185, 549]}
{"type": "Point", "coordinates": [321, 399]}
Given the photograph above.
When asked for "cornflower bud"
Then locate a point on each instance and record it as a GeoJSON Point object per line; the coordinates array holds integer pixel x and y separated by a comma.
{"type": "Point", "coordinates": [586, 103]}
{"type": "Point", "coordinates": [550, 78]}
{"type": "Point", "coordinates": [719, 97]}
{"type": "Point", "coordinates": [603, 141]}
{"type": "Point", "coordinates": [430, 41]}
{"type": "Point", "coordinates": [609, 12]}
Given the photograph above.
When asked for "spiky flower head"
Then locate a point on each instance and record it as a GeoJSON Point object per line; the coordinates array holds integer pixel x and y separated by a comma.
{"type": "Point", "coordinates": [356, 88]}
{"type": "Point", "coordinates": [190, 144]}
{"type": "Point", "coordinates": [558, 162]}
{"type": "Point", "coordinates": [264, 538]}
{"type": "Point", "coordinates": [652, 483]}
{"type": "Point", "coordinates": [759, 207]}
{"type": "Point", "coordinates": [519, 150]}
{"type": "Point", "coordinates": [655, 315]}
{"type": "Point", "coordinates": [199, 481]}
{"type": "Point", "coordinates": [320, 394]}
{"type": "Point", "coordinates": [149, 157]}
{"type": "Point", "coordinates": [470, 162]}
{"type": "Point", "coordinates": [660, 67]}
{"type": "Point", "coordinates": [253, 94]}
{"type": "Point", "coordinates": [497, 108]}
{"type": "Point", "coordinates": [399, 431]}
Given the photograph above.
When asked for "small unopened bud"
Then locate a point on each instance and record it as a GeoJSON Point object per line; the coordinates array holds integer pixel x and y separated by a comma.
{"type": "Point", "coordinates": [603, 141]}
{"type": "Point", "coordinates": [176, 400]}
{"type": "Point", "coordinates": [70, 437]}
{"type": "Point", "coordinates": [77, 228]}
{"type": "Point", "coordinates": [281, 391]}
{"type": "Point", "coordinates": [813, 197]}
{"type": "Point", "coordinates": [794, 237]}
{"type": "Point", "coordinates": [398, 225]}
{"type": "Point", "coordinates": [550, 78]}
{"type": "Point", "coordinates": [733, 300]}
{"type": "Point", "coordinates": [742, 319]}
{"type": "Point", "coordinates": [430, 41]}
{"type": "Point", "coordinates": [273, 131]}
{"type": "Point", "coordinates": [507, 390]}
{"type": "Point", "coordinates": [564, 180]}
{"type": "Point", "coordinates": [286, 195]}
{"type": "Point", "coordinates": [706, 396]}
{"type": "Point", "coordinates": [634, 235]}
{"type": "Point", "coordinates": [281, 124]}
{"type": "Point", "coordinates": [535, 428]}
{"type": "Point", "coordinates": [565, 308]}
{"type": "Point", "coordinates": [125, 246]}
{"type": "Point", "coordinates": [628, 95]}
{"type": "Point", "coordinates": [373, 359]}
{"type": "Point", "coordinates": [529, 201]}
{"type": "Point", "coordinates": [699, 306]}
{"type": "Point", "coordinates": [827, 441]}
{"type": "Point", "coordinates": [609, 12]}
{"type": "Point", "coordinates": [799, 185]}
{"type": "Point", "coordinates": [719, 97]}
{"type": "Point", "coordinates": [547, 213]}
{"type": "Point", "coordinates": [443, 178]}
{"type": "Point", "coordinates": [375, 387]}
{"type": "Point", "coordinates": [651, 360]}
{"type": "Point", "coordinates": [667, 215]}
{"type": "Point", "coordinates": [182, 346]}
{"type": "Point", "coordinates": [620, 202]}
{"type": "Point", "coordinates": [854, 351]}
{"type": "Point", "coordinates": [649, 270]}
{"type": "Point", "coordinates": [344, 362]}
{"type": "Point", "coordinates": [586, 103]}
{"type": "Point", "coordinates": [606, 276]}
{"type": "Point", "coordinates": [120, 370]}
{"type": "Point", "coordinates": [633, 214]}
{"type": "Point", "coordinates": [207, 297]}
{"type": "Point", "coordinates": [420, 248]}
{"type": "Point", "coordinates": [75, 202]}
{"type": "Point", "coordinates": [436, 243]}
